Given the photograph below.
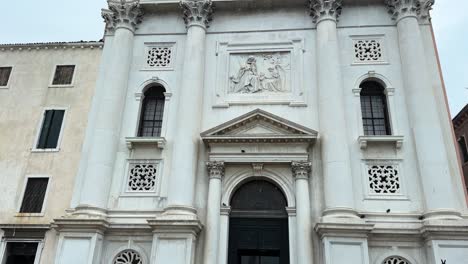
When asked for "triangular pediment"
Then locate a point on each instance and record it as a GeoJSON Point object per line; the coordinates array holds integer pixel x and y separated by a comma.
{"type": "Point", "coordinates": [260, 126]}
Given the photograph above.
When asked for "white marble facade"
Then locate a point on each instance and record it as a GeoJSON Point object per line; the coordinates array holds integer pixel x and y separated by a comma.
{"type": "Point", "coordinates": [267, 90]}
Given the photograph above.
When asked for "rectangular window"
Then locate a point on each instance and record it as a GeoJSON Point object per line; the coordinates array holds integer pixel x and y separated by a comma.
{"type": "Point", "coordinates": [63, 75]}
{"type": "Point", "coordinates": [20, 252]}
{"type": "Point", "coordinates": [50, 129]}
{"type": "Point", "coordinates": [5, 73]}
{"type": "Point", "coordinates": [463, 149]}
{"type": "Point", "coordinates": [34, 194]}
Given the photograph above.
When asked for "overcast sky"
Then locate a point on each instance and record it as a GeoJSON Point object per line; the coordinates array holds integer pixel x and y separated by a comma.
{"type": "Point", "coordinates": [64, 20]}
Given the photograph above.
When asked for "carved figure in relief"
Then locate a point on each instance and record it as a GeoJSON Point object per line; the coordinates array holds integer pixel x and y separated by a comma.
{"type": "Point", "coordinates": [249, 79]}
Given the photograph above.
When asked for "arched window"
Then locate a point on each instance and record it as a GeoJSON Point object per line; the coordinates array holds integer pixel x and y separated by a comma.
{"type": "Point", "coordinates": [152, 112]}
{"type": "Point", "coordinates": [258, 225]}
{"type": "Point", "coordinates": [374, 109]}
{"type": "Point", "coordinates": [128, 257]}
{"type": "Point", "coordinates": [395, 260]}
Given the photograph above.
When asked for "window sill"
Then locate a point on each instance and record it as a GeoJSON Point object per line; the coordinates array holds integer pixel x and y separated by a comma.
{"type": "Point", "coordinates": [45, 150]}
{"type": "Point", "coordinates": [61, 86]}
{"type": "Point", "coordinates": [364, 141]}
{"type": "Point", "coordinates": [29, 214]}
{"type": "Point", "coordinates": [132, 142]}
{"type": "Point", "coordinates": [4, 87]}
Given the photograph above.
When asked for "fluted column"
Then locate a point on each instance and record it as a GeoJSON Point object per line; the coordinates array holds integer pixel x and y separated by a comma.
{"type": "Point", "coordinates": [197, 16]}
{"type": "Point", "coordinates": [441, 200]}
{"type": "Point", "coordinates": [301, 171]}
{"type": "Point", "coordinates": [339, 198]}
{"type": "Point", "coordinates": [122, 17]}
{"type": "Point", "coordinates": [213, 218]}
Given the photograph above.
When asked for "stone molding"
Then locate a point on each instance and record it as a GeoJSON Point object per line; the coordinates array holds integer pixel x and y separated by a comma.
{"type": "Point", "coordinates": [122, 14]}
{"type": "Point", "coordinates": [197, 12]}
{"type": "Point", "coordinates": [400, 9]}
{"type": "Point", "coordinates": [215, 169]}
{"type": "Point", "coordinates": [301, 169]}
{"type": "Point", "coordinates": [325, 10]}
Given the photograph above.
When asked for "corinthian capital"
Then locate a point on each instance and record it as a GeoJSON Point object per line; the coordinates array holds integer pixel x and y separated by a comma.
{"type": "Point", "coordinates": [122, 13]}
{"type": "Point", "coordinates": [399, 9]}
{"type": "Point", "coordinates": [215, 169]}
{"type": "Point", "coordinates": [197, 12]}
{"type": "Point", "coordinates": [424, 7]}
{"type": "Point", "coordinates": [301, 169]}
{"type": "Point", "coordinates": [325, 9]}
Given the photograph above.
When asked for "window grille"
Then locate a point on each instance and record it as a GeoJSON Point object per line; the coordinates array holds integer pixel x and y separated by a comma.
{"type": "Point", "coordinates": [152, 112]}
{"type": "Point", "coordinates": [5, 73]}
{"type": "Point", "coordinates": [369, 50]}
{"type": "Point", "coordinates": [374, 109]}
{"type": "Point", "coordinates": [34, 195]}
{"type": "Point", "coordinates": [396, 260]}
{"type": "Point", "coordinates": [159, 57]}
{"type": "Point", "coordinates": [384, 179]}
{"type": "Point", "coordinates": [128, 257]}
{"type": "Point", "coordinates": [50, 130]}
{"type": "Point", "coordinates": [142, 177]}
{"type": "Point", "coordinates": [63, 75]}
{"type": "Point", "coordinates": [463, 149]}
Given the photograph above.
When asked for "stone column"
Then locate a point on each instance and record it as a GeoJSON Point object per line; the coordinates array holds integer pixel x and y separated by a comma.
{"type": "Point", "coordinates": [339, 198]}
{"type": "Point", "coordinates": [197, 16]}
{"type": "Point", "coordinates": [121, 18]}
{"type": "Point", "coordinates": [434, 168]}
{"type": "Point", "coordinates": [216, 173]}
{"type": "Point", "coordinates": [304, 246]}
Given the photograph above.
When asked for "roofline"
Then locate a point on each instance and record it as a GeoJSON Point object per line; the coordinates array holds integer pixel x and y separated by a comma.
{"type": "Point", "coordinates": [55, 45]}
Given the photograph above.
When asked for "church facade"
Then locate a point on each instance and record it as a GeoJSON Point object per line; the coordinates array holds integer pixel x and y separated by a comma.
{"type": "Point", "coordinates": [267, 132]}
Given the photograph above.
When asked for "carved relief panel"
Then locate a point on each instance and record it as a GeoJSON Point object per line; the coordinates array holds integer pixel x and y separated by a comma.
{"type": "Point", "coordinates": [259, 73]}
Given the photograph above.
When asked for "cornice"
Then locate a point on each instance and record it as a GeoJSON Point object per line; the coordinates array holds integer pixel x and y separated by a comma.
{"type": "Point", "coordinates": [122, 14]}
{"type": "Point", "coordinates": [197, 12]}
{"type": "Point", "coordinates": [52, 46]}
{"type": "Point", "coordinates": [325, 10]}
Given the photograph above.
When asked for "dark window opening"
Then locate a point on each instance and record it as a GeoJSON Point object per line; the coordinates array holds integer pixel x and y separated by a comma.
{"type": "Point", "coordinates": [34, 195]}
{"type": "Point", "coordinates": [374, 109]}
{"type": "Point", "coordinates": [20, 252]}
{"type": "Point", "coordinates": [50, 130]}
{"type": "Point", "coordinates": [152, 112]}
{"type": "Point", "coordinates": [5, 73]}
{"type": "Point", "coordinates": [463, 149]}
{"type": "Point", "coordinates": [258, 225]}
{"type": "Point", "coordinates": [63, 75]}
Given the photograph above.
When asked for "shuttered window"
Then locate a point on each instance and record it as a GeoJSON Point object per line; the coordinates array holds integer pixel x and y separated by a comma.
{"type": "Point", "coordinates": [5, 73]}
{"type": "Point", "coordinates": [50, 130]}
{"type": "Point", "coordinates": [34, 194]}
{"type": "Point", "coordinates": [63, 75]}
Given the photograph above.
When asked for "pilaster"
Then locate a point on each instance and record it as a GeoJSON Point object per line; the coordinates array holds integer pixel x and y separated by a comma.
{"type": "Point", "coordinates": [339, 195]}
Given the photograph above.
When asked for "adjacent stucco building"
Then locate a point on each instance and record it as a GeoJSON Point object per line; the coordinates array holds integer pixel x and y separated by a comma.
{"type": "Point", "coordinates": [232, 132]}
{"type": "Point", "coordinates": [45, 95]}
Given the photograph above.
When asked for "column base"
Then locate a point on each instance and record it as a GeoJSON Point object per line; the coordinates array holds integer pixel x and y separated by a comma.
{"type": "Point", "coordinates": [87, 212]}
{"type": "Point", "coordinates": [442, 214]}
{"type": "Point", "coordinates": [340, 215]}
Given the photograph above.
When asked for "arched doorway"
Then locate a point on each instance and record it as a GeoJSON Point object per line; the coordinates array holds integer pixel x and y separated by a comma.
{"type": "Point", "coordinates": [258, 225]}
